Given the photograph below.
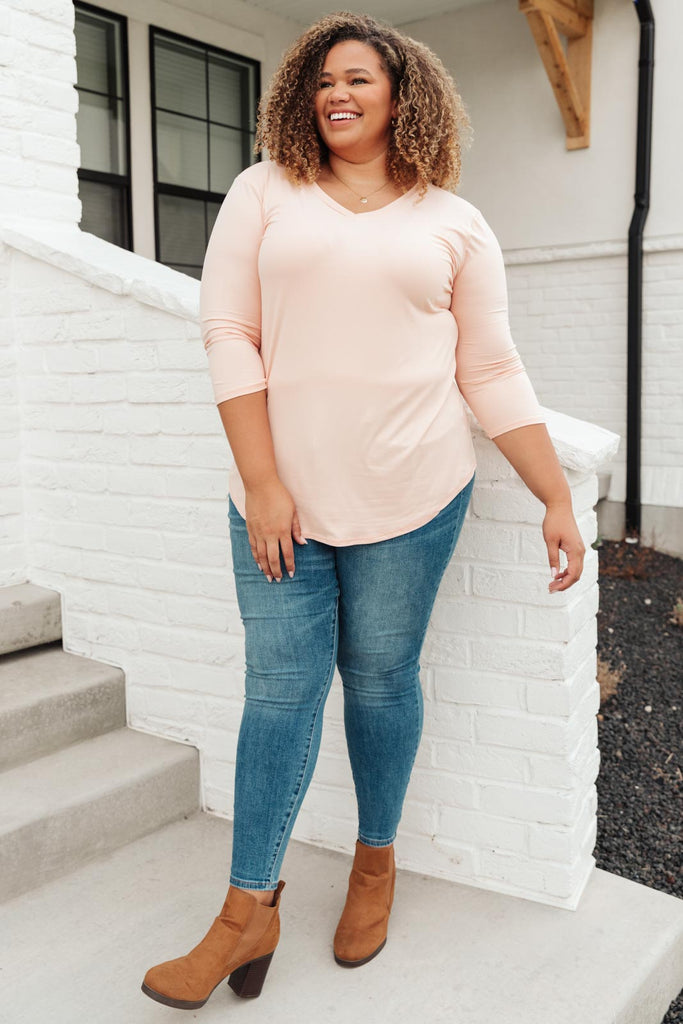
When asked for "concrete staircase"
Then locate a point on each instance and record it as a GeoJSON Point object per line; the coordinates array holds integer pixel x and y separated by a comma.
{"type": "Point", "coordinates": [74, 781]}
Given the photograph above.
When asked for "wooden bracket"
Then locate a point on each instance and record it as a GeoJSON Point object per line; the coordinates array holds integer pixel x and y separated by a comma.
{"type": "Point", "coordinates": [569, 72]}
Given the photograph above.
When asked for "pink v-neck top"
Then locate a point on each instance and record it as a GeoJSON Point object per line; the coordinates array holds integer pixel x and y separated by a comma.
{"type": "Point", "coordinates": [367, 330]}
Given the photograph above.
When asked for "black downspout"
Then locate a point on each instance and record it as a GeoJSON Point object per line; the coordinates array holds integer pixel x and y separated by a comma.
{"type": "Point", "coordinates": [646, 65]}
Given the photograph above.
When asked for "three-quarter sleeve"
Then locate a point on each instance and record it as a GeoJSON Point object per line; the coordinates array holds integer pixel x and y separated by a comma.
{"type": "Point", "coordinates": [230, 294]}
{"type": "Point", "coordinates": [489, 371]}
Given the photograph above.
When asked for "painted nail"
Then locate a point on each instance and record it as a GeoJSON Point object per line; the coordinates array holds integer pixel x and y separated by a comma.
{"type": "Point", "coordinates": [291, 574]}
{"type": "Point", "coordinates": [269, 577]}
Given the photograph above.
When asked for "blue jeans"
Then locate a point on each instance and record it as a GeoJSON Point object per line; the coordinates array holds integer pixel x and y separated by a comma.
{"type": "Point", "coordinates": [364, 608]}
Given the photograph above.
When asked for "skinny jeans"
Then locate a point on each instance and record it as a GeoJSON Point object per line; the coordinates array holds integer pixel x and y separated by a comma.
{"type": "Point", "coordinates": [364, 608]}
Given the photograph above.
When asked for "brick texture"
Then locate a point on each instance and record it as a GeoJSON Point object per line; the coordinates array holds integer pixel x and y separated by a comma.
{"type": "Point", "coordinates": [569, 321]}
{"type": "Point", "coordinates": [125, 481]}
{"type": "Point", "coordinates": [39, 155]}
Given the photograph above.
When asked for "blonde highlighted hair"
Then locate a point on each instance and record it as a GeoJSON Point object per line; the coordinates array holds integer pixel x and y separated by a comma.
{"type": "Point", "coordinates": [431, 123]}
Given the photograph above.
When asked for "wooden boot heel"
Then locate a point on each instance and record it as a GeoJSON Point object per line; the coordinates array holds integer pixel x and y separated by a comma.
{"type": "Point", "coordinates": [247, 980]}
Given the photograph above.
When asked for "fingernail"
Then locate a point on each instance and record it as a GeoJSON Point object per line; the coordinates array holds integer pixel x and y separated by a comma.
{"type": "Point", "coordinates": [269, 577]}
{"type": "Point", "coordinates": [278, 579]}
{"type": "Point", "coordinates": [291, 573]}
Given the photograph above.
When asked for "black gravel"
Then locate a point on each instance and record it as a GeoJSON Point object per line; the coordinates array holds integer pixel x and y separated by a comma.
{"type": "Point", "coordinates": [640, 651]}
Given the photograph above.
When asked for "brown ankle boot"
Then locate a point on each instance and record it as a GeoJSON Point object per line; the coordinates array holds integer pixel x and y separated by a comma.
{"type": "Point", "coordinates": [240, 943]}
{"type": "Point", "coordinates": [362, 929]}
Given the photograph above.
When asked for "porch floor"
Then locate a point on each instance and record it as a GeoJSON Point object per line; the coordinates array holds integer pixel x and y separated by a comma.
{"type": "Point", "coordinates": [79, 947]}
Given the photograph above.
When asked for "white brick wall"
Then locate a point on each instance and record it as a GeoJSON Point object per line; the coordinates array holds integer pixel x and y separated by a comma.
{"type": "Point", "coordinates": [39, 155]}
{"type": "Point", "coordinates": [568, 316]}
{"type": "Point", "coordinates": [125, 473]}
{"type": "Point", "coordinates": [12, 550]}
{"type": "Point", "coordinates": [38, 162]}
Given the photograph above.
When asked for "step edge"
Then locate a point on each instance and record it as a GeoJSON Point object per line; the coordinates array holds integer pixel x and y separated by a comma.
{"type": "Point", "coordinates": [156, 759]}
{"type": "Point", "coordinates": [185, 805]}
{"type": "Point", "coordinates": [35, 700]}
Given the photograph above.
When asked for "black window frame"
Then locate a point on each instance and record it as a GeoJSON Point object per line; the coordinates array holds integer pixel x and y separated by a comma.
{"type": "Point", "coordinates": [121, 181]}
{"type": "Point", "coordinates": [182, 191]}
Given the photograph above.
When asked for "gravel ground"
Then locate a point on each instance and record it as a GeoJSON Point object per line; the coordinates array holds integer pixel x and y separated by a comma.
{"type": "Point", "coordinates": [640, 668]}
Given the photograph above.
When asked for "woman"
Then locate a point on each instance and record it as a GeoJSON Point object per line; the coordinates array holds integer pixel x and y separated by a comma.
{"type": "Point", "coordinates": [339, 279]}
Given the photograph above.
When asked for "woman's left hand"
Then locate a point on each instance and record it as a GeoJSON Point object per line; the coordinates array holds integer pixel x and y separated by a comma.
{"type": "Point", "coordinates": [561, 532]}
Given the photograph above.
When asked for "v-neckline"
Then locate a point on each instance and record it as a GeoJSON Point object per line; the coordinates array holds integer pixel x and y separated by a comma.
{"type": "Point", "coordinates": [360, 213]}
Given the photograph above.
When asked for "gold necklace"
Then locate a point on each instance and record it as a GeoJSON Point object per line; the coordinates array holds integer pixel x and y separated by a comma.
{"type": "Point", "coordinates": [363, 199]}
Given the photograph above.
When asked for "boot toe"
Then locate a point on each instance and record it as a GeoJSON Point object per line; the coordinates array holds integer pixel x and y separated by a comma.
{"type": "Point", "coordinates": [354, 954]}
{"type": "Point", "coordinates": [170, 981]}
{"type": "Point", "coordinates": [358, 945]}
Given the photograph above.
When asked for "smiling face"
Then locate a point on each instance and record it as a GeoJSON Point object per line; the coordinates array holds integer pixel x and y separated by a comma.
{"type": "Point", "coordinates": [354, 104]}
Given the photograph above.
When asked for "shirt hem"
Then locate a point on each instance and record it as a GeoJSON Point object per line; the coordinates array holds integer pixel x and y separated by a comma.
{"type": "Point", "coordinates": [398, 531]}
{"type": "Point", "coordinates": [528, 421]}
{"type": "Point", "coordinates": [239, 392]}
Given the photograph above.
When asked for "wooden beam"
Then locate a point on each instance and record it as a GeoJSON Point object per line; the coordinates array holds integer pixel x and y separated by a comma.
{"type": "Point", "coordinates": [556, 66]}
{"type": "Point", "coordinates": [567, 19]}
{"type": "Point", "coordinates": [569, 73]}
{"type": "Point", "coordinates": [579, 62]}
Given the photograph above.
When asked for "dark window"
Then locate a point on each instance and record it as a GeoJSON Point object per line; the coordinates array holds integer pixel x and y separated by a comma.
{"type": "Point", "coordinates": [204, 117]}
{"type": "Point", "coordinates": [103, 119]}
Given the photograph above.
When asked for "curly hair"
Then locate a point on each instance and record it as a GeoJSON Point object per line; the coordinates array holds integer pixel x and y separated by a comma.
{"type": "Point", "coordinates": [431, 123]}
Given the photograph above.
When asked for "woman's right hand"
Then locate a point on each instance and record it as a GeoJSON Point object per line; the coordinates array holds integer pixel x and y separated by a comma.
{"type": "Point", "coordinates": [272, 522]}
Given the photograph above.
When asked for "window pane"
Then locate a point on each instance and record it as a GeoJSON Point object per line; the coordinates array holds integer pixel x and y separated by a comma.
{"type": "Point", "coordinates": [251, 99]}
{"type": "Point", "coordinates": [182, 151]}
{"type": "Point", "coordinates": [182, 230]}
{"type": "Point", "coordinates": [104, 211]}
{"type": "Point", "coordinates": [205, 102]}
{"type": "Point", "coordinates": [229, 155]}
{"type": "Point", "coordinates": [101, 132]}
{"type": "Point", "coordinates": [228, 92]}
{"type": "Point", "coordinates": [180, 77]}
{"type": "Point", "coordinates": [98, 53]}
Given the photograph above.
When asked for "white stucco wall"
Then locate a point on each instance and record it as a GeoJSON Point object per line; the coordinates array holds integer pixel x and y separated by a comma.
{"type": "Point", "coordinates": [534, 191]}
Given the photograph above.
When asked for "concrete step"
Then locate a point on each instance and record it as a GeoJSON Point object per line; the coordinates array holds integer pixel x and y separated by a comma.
{"type": "Point", "coordinates": [63, 809]}
{"type": "Point", "coordinates": [29, 615]}
{"type": "Point", "coordinates": [455, 954]}
{"type": "Point", "coordinates": [50, 699]}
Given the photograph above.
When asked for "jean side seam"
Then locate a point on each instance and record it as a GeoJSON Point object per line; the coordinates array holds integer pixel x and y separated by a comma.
{"type": "Point", "coordinates": [321, 700]}
{"type": "Point", "coordinates": [416, 747]}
